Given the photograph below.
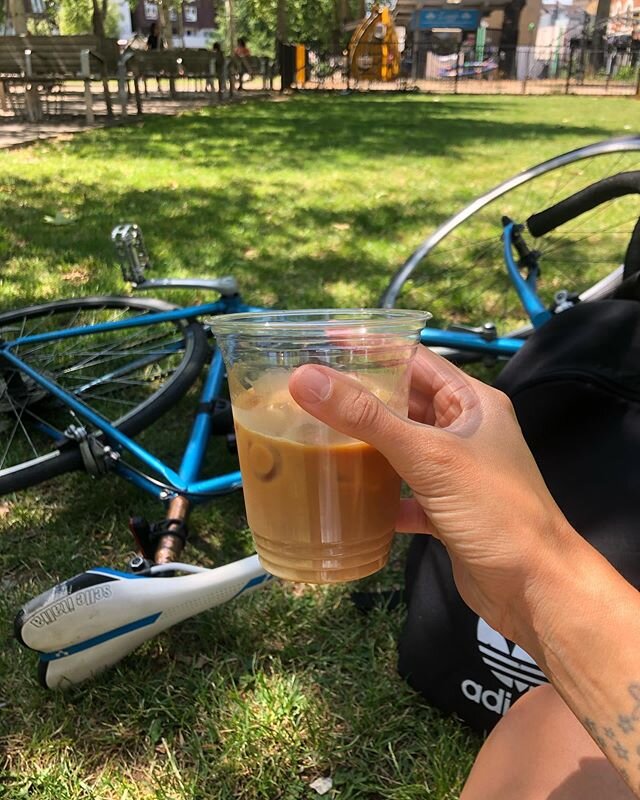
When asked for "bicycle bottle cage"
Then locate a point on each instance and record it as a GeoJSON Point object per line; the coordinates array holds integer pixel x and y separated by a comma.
{"type": "Point", "coordinates": [134, 258]}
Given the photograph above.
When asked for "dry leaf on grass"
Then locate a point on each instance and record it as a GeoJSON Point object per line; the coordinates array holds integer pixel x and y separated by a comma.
{"type": "Point", "coordinates": [321, 785]}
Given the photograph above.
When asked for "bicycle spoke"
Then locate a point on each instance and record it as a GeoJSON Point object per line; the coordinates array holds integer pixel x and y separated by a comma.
{"type": "Point", "coordinates": [19, 424]}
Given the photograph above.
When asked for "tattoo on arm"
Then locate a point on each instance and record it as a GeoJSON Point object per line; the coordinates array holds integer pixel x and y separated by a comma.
{"type": "Point", "coordinates": [620, 740]}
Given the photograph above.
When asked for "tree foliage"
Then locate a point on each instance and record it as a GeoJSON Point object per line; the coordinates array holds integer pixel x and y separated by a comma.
{"type": "Point", "coordinates": [76, 16]}
{"type": "Point", "coordinates": [310, 22]}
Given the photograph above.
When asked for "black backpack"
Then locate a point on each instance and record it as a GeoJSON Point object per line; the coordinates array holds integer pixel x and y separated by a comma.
{"type": "Point", "coordinates": [575, 386]}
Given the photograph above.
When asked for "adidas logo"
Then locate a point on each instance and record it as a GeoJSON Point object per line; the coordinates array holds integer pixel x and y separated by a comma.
{"type": "Point", "coordinates": [512, 666]}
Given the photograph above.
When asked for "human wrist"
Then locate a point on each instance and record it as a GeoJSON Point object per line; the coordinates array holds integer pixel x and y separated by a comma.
{"type": "Point", "coordinates": [558, 585]}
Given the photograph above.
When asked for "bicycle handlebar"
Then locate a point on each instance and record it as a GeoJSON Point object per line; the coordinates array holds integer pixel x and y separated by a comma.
{"type": "Point", "coordinates": [601, 192]}
{"type": "Point", "coordinates": [584, 200]}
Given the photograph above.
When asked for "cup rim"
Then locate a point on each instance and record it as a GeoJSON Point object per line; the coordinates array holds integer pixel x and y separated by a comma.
{"type": "Point", "coordinates": [301, 320]}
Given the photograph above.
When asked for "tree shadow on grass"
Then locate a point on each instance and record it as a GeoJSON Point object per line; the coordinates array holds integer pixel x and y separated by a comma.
{"type": "Point", "coordinates": [288, 260]}
{"type": "Point", "coordinates": [309, 130]}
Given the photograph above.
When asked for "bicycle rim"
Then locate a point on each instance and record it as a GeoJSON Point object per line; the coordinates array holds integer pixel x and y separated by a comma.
{"type": "Point", "coordinates": [130, 377]}
{"type": "Point", "coordinates": [458, 273]}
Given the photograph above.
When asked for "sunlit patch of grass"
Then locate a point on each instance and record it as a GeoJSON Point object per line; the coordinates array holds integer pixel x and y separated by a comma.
{"type": "Point", "coordinates": [311, 202]}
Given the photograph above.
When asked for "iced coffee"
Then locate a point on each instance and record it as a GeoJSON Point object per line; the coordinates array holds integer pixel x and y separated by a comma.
{"type": "Point", "coordinates": [321, 506]}
{"type": "Point", "coordinates": [319, 510]}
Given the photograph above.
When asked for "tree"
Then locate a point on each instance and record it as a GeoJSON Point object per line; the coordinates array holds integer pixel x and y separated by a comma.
{"type": "Point", "coordinates": [17, 16]}
{"type": "Point", "coordinates": [600, 32]}
{"type": "Point", "coordinates": [88, 16]}
{"type": "Point", "coordinates": [509, 36]}
{"type": "Point", "coordinates": [316, 23]}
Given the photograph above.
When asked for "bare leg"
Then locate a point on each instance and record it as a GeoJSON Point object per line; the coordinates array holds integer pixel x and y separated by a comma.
{"type": "Point", "coordinates": [539, 751]}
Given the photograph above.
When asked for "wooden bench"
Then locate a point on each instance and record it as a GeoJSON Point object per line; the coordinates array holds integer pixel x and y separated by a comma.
{"type": "Point", "coordinates": [41, 64]}
{"type": "Point", "coordinates": [255, 65]}
{"type": "Point", "coordinates": [172, 64]}
{"type": "Point", "coordinates": [192, 63]}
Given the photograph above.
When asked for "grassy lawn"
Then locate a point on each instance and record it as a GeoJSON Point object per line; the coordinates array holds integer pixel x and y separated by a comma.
{"type": "Point", "coordinates": [310, 202]}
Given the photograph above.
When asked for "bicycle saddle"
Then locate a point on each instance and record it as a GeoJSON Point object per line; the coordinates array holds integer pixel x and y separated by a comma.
{"type": "Point", "coordinates": [91, 621]}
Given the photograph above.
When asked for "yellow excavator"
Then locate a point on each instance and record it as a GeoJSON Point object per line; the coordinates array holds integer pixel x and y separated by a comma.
{"type": "Point", "coordinates": [373, 49]}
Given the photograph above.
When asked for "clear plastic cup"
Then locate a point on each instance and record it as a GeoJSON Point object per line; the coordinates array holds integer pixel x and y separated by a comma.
{"type": "Point", "coordinates": [321, 506]}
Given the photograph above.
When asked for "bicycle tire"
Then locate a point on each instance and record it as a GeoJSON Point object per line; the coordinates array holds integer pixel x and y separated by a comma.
{"type": "Point", "coordinates": [434, 272]}
{"type": "Point", "coordinates": [190, 360]}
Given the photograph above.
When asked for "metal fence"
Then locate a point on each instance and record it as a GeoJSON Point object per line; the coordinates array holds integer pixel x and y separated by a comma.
{"type": "Point", "coordinates": [573, 68]}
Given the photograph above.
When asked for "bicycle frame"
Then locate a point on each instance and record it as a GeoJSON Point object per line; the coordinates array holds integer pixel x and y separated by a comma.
{"type": "Point", "coordinates": [186, 481]}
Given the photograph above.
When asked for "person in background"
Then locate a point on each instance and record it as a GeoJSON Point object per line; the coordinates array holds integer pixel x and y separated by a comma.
{"type": "Point", "coordinates": [154, 42]}
{"type": "Point", "coordinates": [219, 60]}
{"type": "Point", "coordinates": [241, 54]}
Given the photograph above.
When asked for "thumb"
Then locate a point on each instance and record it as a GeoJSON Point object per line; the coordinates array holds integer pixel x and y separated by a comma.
{"type": "Point", "coordinates": [344, 404]}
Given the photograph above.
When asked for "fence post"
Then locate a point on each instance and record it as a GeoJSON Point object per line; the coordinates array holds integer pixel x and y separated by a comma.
{"type": "Point", "coordinates": [566, 88]}
{"type": "Point", "coordinates": [136, 87]}
{"type": "Point", "coordinates": [122, 85]}
{"type": "Point", "coordinates": [33, 106]}
{"type": "Point", "coordinates": [414, 54]}
{"type": "Point", "coordinates": [85, 74]}
{"type": "Point", "coordinates": [455, 85]}
{"type": "Point", "coordinates": [228, 74]}
{"type": "Point", "coordinates": [637, 94]}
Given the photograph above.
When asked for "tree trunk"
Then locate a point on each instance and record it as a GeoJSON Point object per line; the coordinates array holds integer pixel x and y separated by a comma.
{"type": "Point", "coordinates": [97, 21]}
{"type": "Point", "coordinates": [337, 33]}
{"type": "Point", "coordinates": [343, 13]}
{"type": "Point", "coordinates": [509, 37]}
{"type": "Point", "coordinates": [164, 24]}
{"type": "Point", "coordinates": [603, 13]}
{"type": "Point", "coordinates": [18, 16]}
{"type": "Point", "coordinates": [231, 18]}
{"type": "Point", "coordinates": [180, 14]}
{"type": "Point", "coordinates": [282, 34]}
{"type": "Point", "coordinates": [281, 21]}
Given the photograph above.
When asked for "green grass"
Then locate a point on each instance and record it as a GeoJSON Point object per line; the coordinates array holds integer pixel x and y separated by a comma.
{"type": "Point", "coordinates": [310, 202]}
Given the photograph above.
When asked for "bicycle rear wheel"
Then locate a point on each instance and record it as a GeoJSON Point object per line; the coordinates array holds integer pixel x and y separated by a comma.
{"type": "Point", "coordinates": [459, 275]}
{"type": "Point", "coordinates": [129, 376]}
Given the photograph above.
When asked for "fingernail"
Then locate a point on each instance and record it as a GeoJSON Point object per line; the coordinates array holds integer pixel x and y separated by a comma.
{"type": "Point", "coordinates": [314, 385]}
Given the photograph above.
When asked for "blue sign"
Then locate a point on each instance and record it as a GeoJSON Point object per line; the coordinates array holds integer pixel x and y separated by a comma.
{"type": "Point", "coordinates": [466, 19]}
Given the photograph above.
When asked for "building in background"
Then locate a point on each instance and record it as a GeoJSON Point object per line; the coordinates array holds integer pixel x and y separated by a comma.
{"type": "Point", "coordinates": [624, 20]}
{"type": "Point", "coordinates": [125, 28]}
{"type": "Point", "coordinates": [193, 25]}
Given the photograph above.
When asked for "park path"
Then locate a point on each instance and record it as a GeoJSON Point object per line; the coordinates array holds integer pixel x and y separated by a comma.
{"type": "Point", "coordinates": [17, 133]}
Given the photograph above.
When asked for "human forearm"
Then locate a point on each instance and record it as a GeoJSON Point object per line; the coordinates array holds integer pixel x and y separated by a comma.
{"type": "Point", "coordinates": [516, 561]}
{"type": "Point", "coordinates": [585, 634]}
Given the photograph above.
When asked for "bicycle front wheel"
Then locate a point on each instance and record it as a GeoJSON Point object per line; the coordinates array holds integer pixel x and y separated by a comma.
{"type": "Point", "coordinates": [129, 376]}
{"type": "Point", "coordinates": [459, 274]}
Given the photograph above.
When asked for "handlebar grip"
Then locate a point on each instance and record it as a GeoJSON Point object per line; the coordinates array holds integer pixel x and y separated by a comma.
{"type": "Point", "coordinates": [584, 200]}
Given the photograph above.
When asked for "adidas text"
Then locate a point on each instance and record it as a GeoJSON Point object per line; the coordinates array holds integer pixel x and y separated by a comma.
{"type": "Point", "coordinates": [499, 702]}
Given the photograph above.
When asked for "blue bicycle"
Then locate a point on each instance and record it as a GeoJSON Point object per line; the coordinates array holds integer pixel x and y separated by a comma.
{"type": "Point", "coordinates": [79, 379]}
